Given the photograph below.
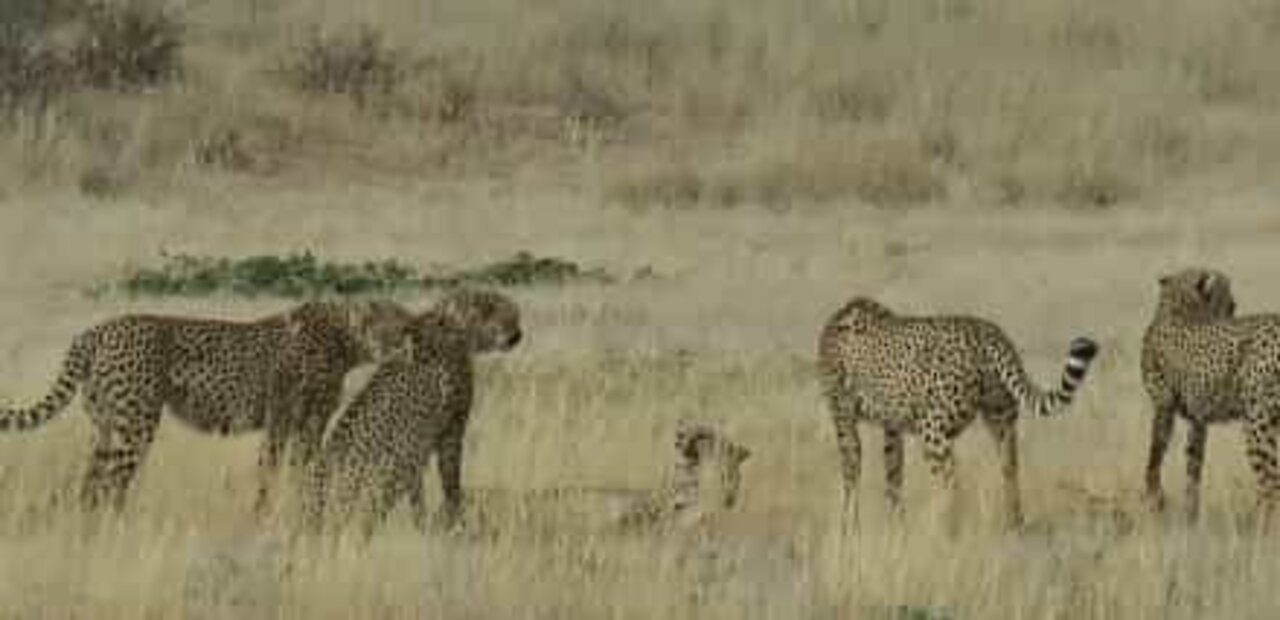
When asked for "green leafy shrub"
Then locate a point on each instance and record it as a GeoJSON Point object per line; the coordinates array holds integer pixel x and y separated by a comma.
{"type": "Point", "coordinates": [296, 275]}
{"type": "Point", "coordinates": [303, 275]}
{"type": "Point", "coordinates": [906, 612]}
{"type": "Point", "coordinates": [523, 269]}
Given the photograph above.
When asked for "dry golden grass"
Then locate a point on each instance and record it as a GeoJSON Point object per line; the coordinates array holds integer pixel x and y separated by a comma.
{"type": "Point", "coordinates": [589, 401]}
{"type": "Point", "coordinates": [572, 107]}
{"type": "Point", "coordinates": [1023, 102]}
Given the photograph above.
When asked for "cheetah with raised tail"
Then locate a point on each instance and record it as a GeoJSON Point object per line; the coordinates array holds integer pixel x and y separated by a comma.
{"type": "Point", "coordinates": [283, 373]}
{"type": "Point", "coordinates": [1206, 365]}
{"type": "Point", "coordinates": [931, 376]}
{"type": "Point", "coordinates": [414, 406]}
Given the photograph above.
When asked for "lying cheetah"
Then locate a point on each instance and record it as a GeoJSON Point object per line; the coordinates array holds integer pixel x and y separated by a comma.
{"type": "Point", "coordinates": [283, 373]}
{"type": "Point", "coordinates": [1204, 364]}
{"type": "Point", "coordinates": [413, 406]}
{"type": "Point", "coordinates": [705, 483]}
{"type": "Point", "coordinates": [707, 480]}
{"type": "Point", "coordinates": [931, 375]}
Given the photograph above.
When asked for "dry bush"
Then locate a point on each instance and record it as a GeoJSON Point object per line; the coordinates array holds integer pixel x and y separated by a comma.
{"type": "Point", "coordinates": [1061, 102]}
{"type": "Point", "coordinates": [36, 15]}
{"type": "Point", "coordinates": [30, 76]}
{"type": "Point", "coordinates": [857, 97]}
{"type": "Point", "coordinates": [883, 170]}
{"type": "Point", "coordinates": [451, 90]}
{"type": "Point", "coordinates": [666, 184]}
{"type": "Point", "coordinates": [129, 45]}
{"type": "Point", "coordinates": [357, 63]}
{"type": "Point", "coordinates": [361, 63]}
{"type": "Point", "coordinates": [31, 71]}
{"type": "Point", "coordinates": [50, 49]}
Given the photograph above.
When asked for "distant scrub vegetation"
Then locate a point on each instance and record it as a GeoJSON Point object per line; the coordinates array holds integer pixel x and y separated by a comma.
{"type": "Point", "coordinates": [692, 103]}
{"type": "Point", "coordinates": [303, 275]}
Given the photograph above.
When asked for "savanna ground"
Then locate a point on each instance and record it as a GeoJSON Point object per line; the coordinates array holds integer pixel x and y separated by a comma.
{"type": "Point", "coordinates": [1038, 162]}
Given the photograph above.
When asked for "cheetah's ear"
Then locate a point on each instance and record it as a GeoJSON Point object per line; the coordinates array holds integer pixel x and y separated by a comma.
{"type": "Point", "coordinates": [740, 453]}
{"type": "Point", "coordinates": [1164, 280]}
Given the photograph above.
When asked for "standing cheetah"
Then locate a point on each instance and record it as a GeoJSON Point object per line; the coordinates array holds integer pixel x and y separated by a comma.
{"type": "Point", "coordinates": [930, 375]}
{"type": "Point", "coordinates": [1204, 364]}
{"type": "Point", "coordinates": [413, 406]}
{"type": "Point", "coordinates": [283, 373]}
{"type": "Point", "coordinates": [707, 480]}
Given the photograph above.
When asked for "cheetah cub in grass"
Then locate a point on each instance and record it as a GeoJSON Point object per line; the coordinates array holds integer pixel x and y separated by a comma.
{"type": "Point", "coordinates": [707, 481]}
{"type": "Point", "coordinates": [413, 406]}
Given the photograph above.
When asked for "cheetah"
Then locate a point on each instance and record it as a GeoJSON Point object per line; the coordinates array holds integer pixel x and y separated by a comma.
{"type": "Point", "coordinates": [1206, 365]}
{"type": "Point", "coordinates": [707, 480]}
{"type": "Point", "coordinates": [930, 375]}
{"type": "Point", "coordinates": [413, 406]}
{"type": "Point", "coordinates": [283, 373]}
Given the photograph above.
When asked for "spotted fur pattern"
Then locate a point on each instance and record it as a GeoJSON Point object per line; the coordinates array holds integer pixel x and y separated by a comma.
{"type": "Point", "coordinates": [707, 480]}
{"type": "Point", "coordinates": [1202, 363]}
{"type": "Point", "coordinates": [283, 373]}
{"type": "Point", "coordinates": [413, 407]}
{"type": "Point", "coordinates": [931, 376]}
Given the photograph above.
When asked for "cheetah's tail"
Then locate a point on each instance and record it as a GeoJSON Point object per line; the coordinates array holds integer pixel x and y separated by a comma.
{"type": "Point", "coordinates": [1079, 356]}
{"type": "Point", "coordinates": [75, 369]}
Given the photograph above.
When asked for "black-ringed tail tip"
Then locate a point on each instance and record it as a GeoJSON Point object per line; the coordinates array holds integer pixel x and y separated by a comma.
{"type": "Point", "coordinates": [1080, 354]}
{"type": "Point", "coordinates": [1084, 348]}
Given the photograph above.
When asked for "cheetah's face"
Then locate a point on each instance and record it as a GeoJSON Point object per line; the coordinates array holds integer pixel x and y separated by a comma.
{"type": "Point", "coordinates": [491, 319]}
{"type": "Point", "coordinates": [1202, 294]}
{"type": "Point", "coordinates": [718, 461]}
{"type": "Point", "coordinates": [380, 328]}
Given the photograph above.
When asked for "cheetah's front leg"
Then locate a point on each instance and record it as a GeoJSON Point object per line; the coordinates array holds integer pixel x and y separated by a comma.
{"type": "Point", "coordinates": [1161, 431]}
{"type": "Point", "coordinates": [850, 445]}
{"type": "Point", "coordinates": [939, 453]}
{"type": "Point", "coordinates": [1197, 437]}
{"type": "Point", "coordinates": [295, 426]}
{"type": "Point", "coordinates": [1262, 453]}
{"type": "Point", "coordinates": [449, 467]}
{"type": "Point", "coordinates": [893, 469]}
{"type": "Point", "coordinates": [281, 419]}
{"type": "Point", "coordinates": [268, 467]}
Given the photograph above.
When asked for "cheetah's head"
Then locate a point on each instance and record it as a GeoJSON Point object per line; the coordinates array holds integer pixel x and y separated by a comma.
{"type": "Point", "coordinates": [859, 314]}
{"type": "Point", "coordinates": [868, 307]}
{"type": "Point", "coordinates": [490, 320]}
{"type": "Point", "coordinates": [715, 460]}
{"type": "Point", "coordinates": [1197, 293]}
